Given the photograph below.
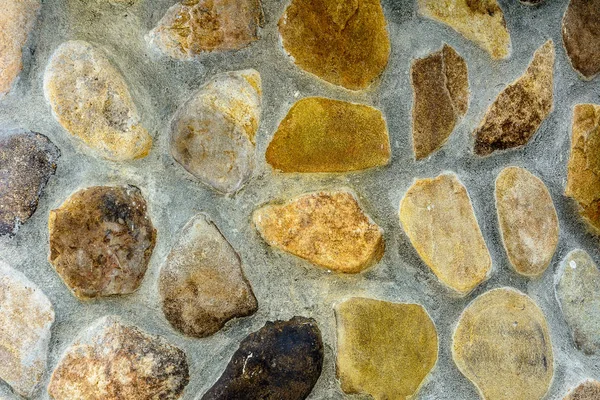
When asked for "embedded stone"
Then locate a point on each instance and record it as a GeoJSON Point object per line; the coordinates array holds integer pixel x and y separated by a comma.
{"type": "Point", "coordinates": [581, 36]}
{"type": "Point", "coordinates": [101, 240]}
{"type": "Point", "coordinates": [330, 38]}
{"type": "Point", "coordinates": [384, 349]}
{"type": "Point", "coordinates": [329, 229]}
{"type": "Point", "coordinates": [438, 218]}
{"type": "Point", "coordinates": [90, 99]}
{"type": "Point", "coordinates": [282, 360]}
{"type": "Point", "coordinates": [502, 345]}
{"type": "Point", "coordinates": [324, 135]}
{"type": "Point", "coordinates": [588, 390]}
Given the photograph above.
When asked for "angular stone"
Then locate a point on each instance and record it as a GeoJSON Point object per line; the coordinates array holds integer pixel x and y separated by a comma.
{"type": "Point", "coordinates": [324, 135]}
{"type": "Point", "coordinates": [502, 345]}
{"type": "Point", "coordinates": [527, 219]}
{"type": "Point", "coordinates": [329, 229]}
{"type": "Point", "coordinates": [330, 38]}
{"type": "Point", "coordinates": [90, 99]}
{"type": "Point", "coordinates": [588, 390]}
{"type": "Point", "coordinates": [282, 360]}
{"type": "Point", "coordinates": [27, 161]}
{"type": "Point", "coordinates": [113, 361]}
{"type": "Point", "coordinates": [520, 109]}
{"type": "Point", "coordinates": [581, 36]}
{"type": "Point", "coordinates": [438, 218]}
{"type": "Point", "coordinates": [212, 134]}
{"type": "Point", "coordinates": [202, 284]}
{"type": "Point", "coordinates": [441, 97]}
{"type": "Point", "coordinates": [101, 240]}
{"type": "Point", "coordinates": [384, 349]}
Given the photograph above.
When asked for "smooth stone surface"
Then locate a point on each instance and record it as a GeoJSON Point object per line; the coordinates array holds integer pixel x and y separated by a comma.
{"type": "Point", "coordinates": [438, 218]}
{"type": "Point", "coordinates": [344, 42]}
{"type": "Point", "coordinates": [588, 390]}
{"type": "Point", "coordinates": [520, 109]}
{"type": "Point", "coordinates": [329, 229]}
{"type": "Point", "coordinates": [502, 345]}
{"type": "Point", "coordinates": [325, 135]}
{"type": "Point", "coordinates": [90, 99]}
{"type": "Point", "coordinates": [527, 219]}
{"type": "Point", "coordinates": [384, 349]}
{"type": "Point", "coordinates": [281, 361]}
{"type": "Point", "coordinates": [27, 161]}
{"type": "Point", "coordinates": [581, 36]}
{"type": "Point", "coordinates": [101, 240]}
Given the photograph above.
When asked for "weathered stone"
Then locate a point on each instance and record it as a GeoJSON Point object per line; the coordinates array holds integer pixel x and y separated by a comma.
{"type": "Point", "coordinates": [344, 42]}
{"type": "Point", "coordinates": [113, 361]}
{"type": "Point", "coordinates": [324, 135]}
{"type": "Point", "coordinates": [328, 229]}
{"type": "Point", "coordinates": [440, 222]}
{"type": "Point", "coordinates": [520, 109]}
{"type": "Point", "coordinates": [212, 134]}
{"type": "Point", "coordinates": [384, 349]}
{"type": "Point", "coordinates": [441, 97]}
{"type": "Point", "coordinates": [502, 345]}
{"type": "Point", "coordinates": [527, 219]}
{"type": "Point", "coordinates": [588, 390]}
{"type": "Point", "coordinates": [101, 240]}
{"type": "Point", "coordinates": [581, 36]}
{"type": "Point", "coordinates": [90, 99]}
{"type": "Point", "coordinates": [27, 161]}
{"type": "Point", "coordinates": [281, 361]}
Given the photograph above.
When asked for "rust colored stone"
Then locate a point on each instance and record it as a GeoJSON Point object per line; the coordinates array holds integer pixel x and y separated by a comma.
{"type": "Point", "coordinates": [581, 36]}
{"type": "Point", "coordinates": [588, 390]}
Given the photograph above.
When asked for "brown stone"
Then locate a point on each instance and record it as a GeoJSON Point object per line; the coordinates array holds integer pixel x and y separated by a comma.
{"type": "Point", "coordinates": [588, 390]}
{"type": "Point", "coordinates": [581, 36]}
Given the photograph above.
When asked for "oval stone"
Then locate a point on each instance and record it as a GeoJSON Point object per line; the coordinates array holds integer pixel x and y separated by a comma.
{"type": "Point", "coordinates": [581, 36]}
{"type": "Point", "coordinates": [588, 390]}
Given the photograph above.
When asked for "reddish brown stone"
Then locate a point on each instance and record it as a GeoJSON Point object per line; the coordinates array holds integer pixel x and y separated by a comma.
{"type": "Point", "coordinates": [588, 390]}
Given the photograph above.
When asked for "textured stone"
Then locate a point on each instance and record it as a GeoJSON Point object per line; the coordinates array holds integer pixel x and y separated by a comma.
{"type": "Point", "coordinates": [581, 36]}
{"type": "Point", "coordinates": [101, 240]}
{"type": "Point", "coordinates": [90, 99]}
{"type": "Point", "coordinates": [502, 345]}
{"type": "Point", "coordinates": [440, 222]}
{"type": "Point", "coordinates": [588, 390]}
{"type": "Point", "coordinates": [344, 42]}
{"type": "Point", "coordinates": [324, 135]}
{"type": "Point", "coordinates": [384, 349]}
{"type": "Point", "coordinates": [328, 229]}
{"type": "Point", "coordinates": [520, 109]}
{"type": "Point", "coordinates": [281, 361]}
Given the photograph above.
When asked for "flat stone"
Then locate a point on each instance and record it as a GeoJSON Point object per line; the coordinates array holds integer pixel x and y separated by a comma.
{"type": "Point", "coordinates": [324, 135]}
{"type": "Point", "coordinates": [202, 284]}
{"type": "Point", "coordinates": [101, 240]}
{"type": "Point", "coordinates": [90, 99]}
{"type": "Point", "coordinates": [441, 97]}
{"type": "Point", "coordinates": [384, 349]}
{"type": "Point", "coordinates": [581, 36]}
{"type": "Point", "coordinates": [329, 229]}
{"type": "Point", "coordinates": [588, 390]}
{"type": "Point", "coordinates": [27, 161]}
{"type": "Point", "coordinates": [502, 345]}
{"type": "Point", "coordinates": [527, 219]}
{"type": "Point", "coordinates": [520, 109]}
{"type": "Point", "coordinates": [282, 360]}
{"type": "Point", "coordinates": [330, 38]}
{"type": "Point", "coordinates": [212, 134]}
{"type": "Point", "coordinates": [114, 361]}
{"type": "Point", "coordinates": [438, 218]}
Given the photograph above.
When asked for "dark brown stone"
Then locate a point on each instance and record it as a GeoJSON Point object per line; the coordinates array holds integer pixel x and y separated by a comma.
{"type": "Point", "coordinates": [581, 36]}
{"type": "Point", "coordinates": [588, 390]}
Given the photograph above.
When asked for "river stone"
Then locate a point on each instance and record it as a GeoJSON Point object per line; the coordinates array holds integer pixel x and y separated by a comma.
{"type": "Point", "coordinates": [114, 361]}
{"type": "Point", "coordinates": [441, 97]}
{"type": "Point", "coordinates": [384, 349]}
{"type": "Point", "coordinates": [438, 218]}
{"type": "Point", "coordinates": [90, 99]}
{"type": "Point", "coordinates": [329, 229]}
{"type": "Point", "coordinates": [588, 390]}
{"type": "Point", "coordinates": [527, 219]}
{"type": "Point", "coordinates": [281, 361]}
{"type": "Point", "coordinates": [344, 42]}
{"type": "Point", "coordinates": [101, 240]}
{"type": "Point", "coordinates": [324, 135]}
{"type": "Point", "coordinates": [502, 345]}
{"type": "Point", "coordinates": [520, 109]}
{"type": "Point", "coordinates": [581, 36]}
{"type": "Point", "coordinates": [27, 161]}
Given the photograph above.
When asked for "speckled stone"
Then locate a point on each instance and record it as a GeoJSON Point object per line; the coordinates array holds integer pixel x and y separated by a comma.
{"type": "Point", "coordinates": [581, 36]}
{"type": "Point", "coordinates": [588, 390]}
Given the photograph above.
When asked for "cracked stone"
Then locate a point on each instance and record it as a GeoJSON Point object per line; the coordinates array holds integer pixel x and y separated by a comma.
{"type": "Point", "coordinates": [581, 36]}
{"type": "Point", "coordinates": [588, 390]}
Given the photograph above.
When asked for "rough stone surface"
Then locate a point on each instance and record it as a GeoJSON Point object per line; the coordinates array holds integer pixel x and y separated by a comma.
{"type": "Point", "coordinates": [324, 135]}
{"type": "Point", "coordinates": [281, 361]}
{"type": "Point", "coordinates": [588, 390]}
{"type": "Point", "coordinates": [90, 99]}
{"type": "Point", "coordinates": [581, 36]}
{"type": "Point", "coordinates": [101, 240]}
{"type": "Point", "coordinates": [328, 229]}
{"type": "Point", "coordinates": [438, 217]}
{"type": "Point", "coordinates": [502, 345]}
{"type": "Point", "coordinates": [384, 349]}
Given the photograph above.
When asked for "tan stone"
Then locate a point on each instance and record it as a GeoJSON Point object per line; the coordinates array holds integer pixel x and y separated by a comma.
{"type": "Point", "coordinates": [588, 390]}
{"type": "Point", "coordinates": [581, 36]}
